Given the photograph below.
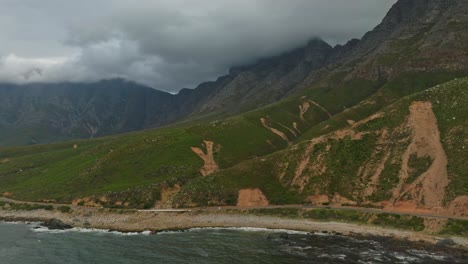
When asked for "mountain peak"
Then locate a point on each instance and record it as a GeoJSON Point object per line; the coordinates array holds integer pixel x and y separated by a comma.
{"type": "Point", "coordinates": [406, 11]}
{"type": "Point", "coordinates": [414, 36]}
{"type": "Point", "coordinates": [317, 42]}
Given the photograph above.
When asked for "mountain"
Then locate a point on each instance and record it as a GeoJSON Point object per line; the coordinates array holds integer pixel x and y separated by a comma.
{"type": "Point", "coordinates": [415, 37]}
{"type": "Point", "coordinates": [268, 80]}
{"type": "Point", "coordinates": [379, 122]}
{"type": "Point", "coordinates": [43, 113]}
{"type": "Point", "coordinates": [57, 112]}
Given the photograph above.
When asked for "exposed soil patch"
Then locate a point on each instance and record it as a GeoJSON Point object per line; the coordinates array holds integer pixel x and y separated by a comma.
{"type": "Point", "coordinates": [368, 119]}
{"type": "Point", "coordinates": [338, 200]}
{"type": "Point", "coordinates": [166, 195]}
{"type": "Point", "coordinates": [296, 127]}
{"type": "Point", "coordinates": [210, 165]}
{"type": "Point", "coordinates": [251, 198]}
{"type": "Point", "coordinates": [319, 167]}
{"type": "Point", "coordinates": [303, 109]}
{"type": "Point", "coordinates": [86, 201]}
{"type": "Point", "coordinates": [282, 167]}
{"type": "Point", "coordinates": [275, 131]}
{"type": "Point", "coordinates": [434, 225]}
{"type": "Point", "coordinates": [409, 206]}
{"type": "Point", "coordinates": [270, 143]}
{"type": "Point", "coordinates": [428, 190]}
{"type": "Point", "coordinates": [459, 206]}
{"type": "Point", "coordinates": [318, 199]}
{"type": "Point", "coordinates": [301, 179]}
{"type": "Point", "coordinates": [319, 106]}
{"type": "Point", "coordinates": [120, 203]}
{"type": "Point", "coordinates": [289, 129]}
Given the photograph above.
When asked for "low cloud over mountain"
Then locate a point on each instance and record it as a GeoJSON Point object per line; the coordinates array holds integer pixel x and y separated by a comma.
{"type": "Point", "coordinates": [165, 44]}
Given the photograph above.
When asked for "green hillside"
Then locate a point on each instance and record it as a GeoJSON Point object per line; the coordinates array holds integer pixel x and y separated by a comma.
{"type": "Point", "coordinates": [140, 167]}
{"type": "Point", "coordinates": [336, 161]}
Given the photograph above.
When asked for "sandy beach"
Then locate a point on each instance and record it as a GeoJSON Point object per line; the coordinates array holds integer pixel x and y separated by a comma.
{"type": "Point", "coordinates": [139, 221]}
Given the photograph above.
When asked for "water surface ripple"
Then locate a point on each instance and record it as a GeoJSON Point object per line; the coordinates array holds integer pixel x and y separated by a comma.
{"type": "Point", "coordinates": [23, 244]}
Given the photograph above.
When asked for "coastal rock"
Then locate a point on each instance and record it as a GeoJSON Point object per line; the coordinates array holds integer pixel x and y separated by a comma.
{"type": "Point", "coordinates": [446, 242]}
{"type": "Point", "coordinates": [55, 224]}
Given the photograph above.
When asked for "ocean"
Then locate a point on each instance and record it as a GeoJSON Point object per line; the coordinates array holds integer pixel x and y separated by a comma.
{"type": "Point", "coordinates": [27, 243]}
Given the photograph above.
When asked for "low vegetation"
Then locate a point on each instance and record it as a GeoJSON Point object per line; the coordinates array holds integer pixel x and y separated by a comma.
{"type": "Point", "coordinates": [24, 207]}
{"type": "Point", "coordinates": [413, 223]}
{"type": "Point", "coordinates": [456, 227]}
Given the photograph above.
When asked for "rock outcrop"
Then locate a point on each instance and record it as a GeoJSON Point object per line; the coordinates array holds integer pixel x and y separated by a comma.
{"type": "Point", "coordinates": [55, 224]}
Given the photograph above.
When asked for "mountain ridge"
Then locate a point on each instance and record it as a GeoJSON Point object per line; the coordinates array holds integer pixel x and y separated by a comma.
{"type": "Point", "coordinates": [398, 45]}
{"type": "Point", "coordinates": [161, 108]}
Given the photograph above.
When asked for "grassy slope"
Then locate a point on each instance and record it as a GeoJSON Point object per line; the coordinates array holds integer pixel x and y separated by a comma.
{"type": "Point", "coordinates": [120, 163]}
{"type": "Point", "coordinates": [450, 105]}
{"type": "Point", "coordinates": [138, 164]}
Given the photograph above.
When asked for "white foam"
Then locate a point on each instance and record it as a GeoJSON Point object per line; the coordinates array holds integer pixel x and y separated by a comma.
{"type": "Point", "coordinates": [295, 250]}
{"type": "Point", "coordinates": [337, 256]}
{"type": "Point", "coordinates": [322, 234]}
{"type": "Point", "coordinates": [43, 229]}
{"type": "Point", "coordinates": [422, 253]}
{"type": "Point", "coordinates": [19, 222]}
{"type": "Point", "coordinates": [405, 258]}
{"type": "Point", "coordinates": [246, 229]}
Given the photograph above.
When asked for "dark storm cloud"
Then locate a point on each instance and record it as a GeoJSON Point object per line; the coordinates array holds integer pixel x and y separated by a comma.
{"type": "Point", "coordinates": [166, 44]}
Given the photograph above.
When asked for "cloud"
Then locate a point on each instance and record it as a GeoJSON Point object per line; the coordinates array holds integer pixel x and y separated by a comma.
{"type": "Point", "coordinates": [168, 44]}
{"type": "Point", "coordinates": [21, 70]}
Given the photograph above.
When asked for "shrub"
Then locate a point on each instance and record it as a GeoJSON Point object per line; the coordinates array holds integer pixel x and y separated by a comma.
{"type": "Point", "coordinates": [64, 209]}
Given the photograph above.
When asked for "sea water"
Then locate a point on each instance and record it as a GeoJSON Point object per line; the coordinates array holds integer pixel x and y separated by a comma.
{"type": "Point", "coordinates": [22, 243]}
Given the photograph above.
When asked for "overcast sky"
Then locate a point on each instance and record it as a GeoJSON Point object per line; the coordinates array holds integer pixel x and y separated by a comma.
{"type": "Point", "coordinates": [166, 44]}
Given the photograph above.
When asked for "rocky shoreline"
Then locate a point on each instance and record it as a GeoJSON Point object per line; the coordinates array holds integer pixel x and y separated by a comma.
{"type": "Point", "coordinates": [144, 221]}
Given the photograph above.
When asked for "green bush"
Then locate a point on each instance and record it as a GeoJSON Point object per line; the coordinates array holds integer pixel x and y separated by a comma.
{"type": "Point", "coordinates": [414, 223]}
{"type": "Point", "coordinates": [64, 209]}
{"type": "Point", "coordinates": [455, 227]}
{"type": "Point", "coordinates": [30, 207]}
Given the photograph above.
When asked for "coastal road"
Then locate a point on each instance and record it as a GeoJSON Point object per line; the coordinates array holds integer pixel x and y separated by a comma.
{"type": "Point", "coordinates": [345, 208]}
{"type": "Point", "coordinates": [296, 206]}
